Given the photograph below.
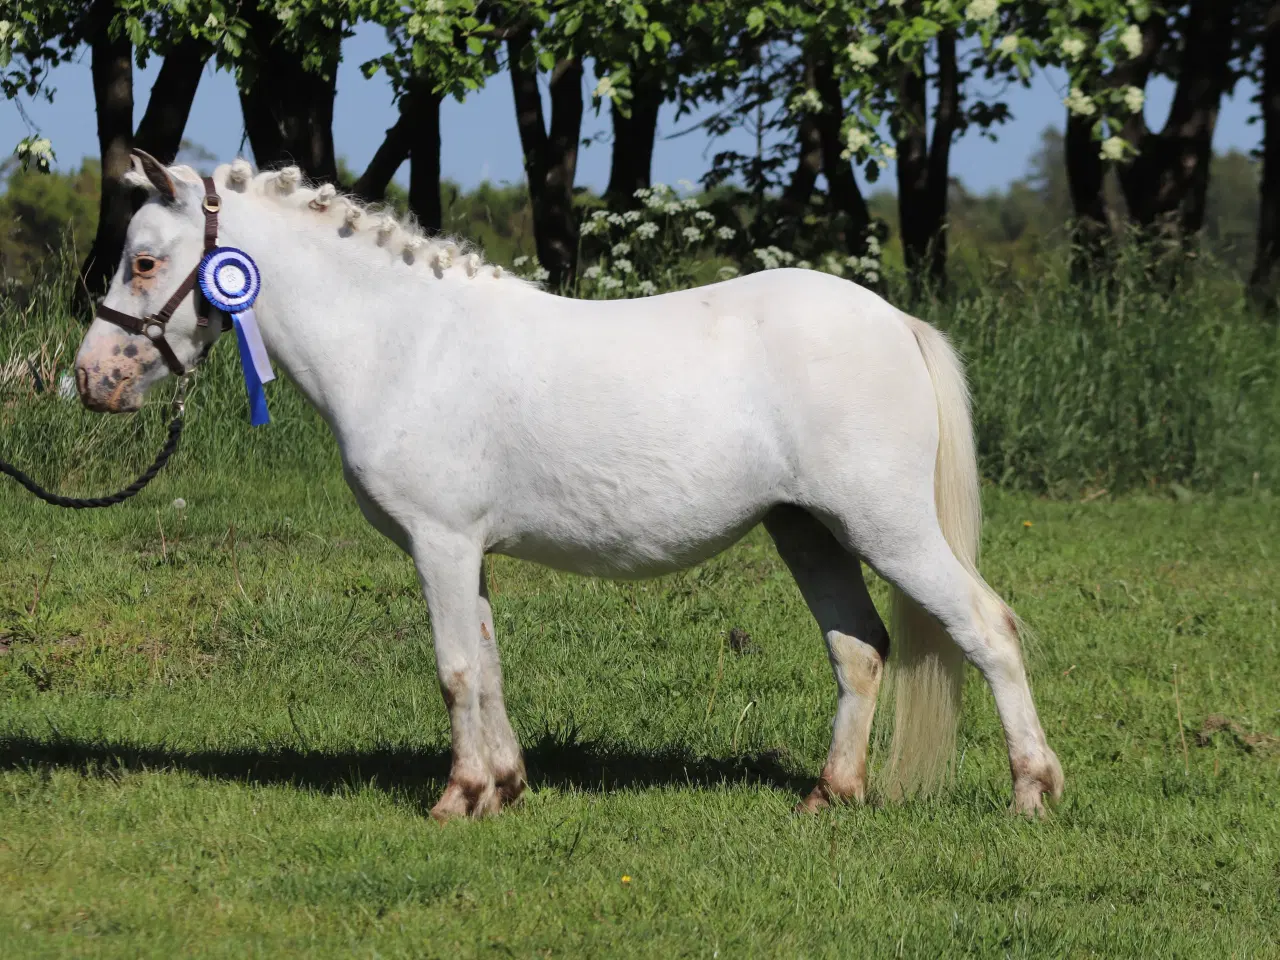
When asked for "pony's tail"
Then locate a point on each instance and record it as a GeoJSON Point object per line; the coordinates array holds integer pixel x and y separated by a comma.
{"type": "Point", "coordinates": [927, 668]}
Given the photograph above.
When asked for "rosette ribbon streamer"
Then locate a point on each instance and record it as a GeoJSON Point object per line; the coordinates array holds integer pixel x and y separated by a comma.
{"type": "Point", "coordinates": [230, 281]}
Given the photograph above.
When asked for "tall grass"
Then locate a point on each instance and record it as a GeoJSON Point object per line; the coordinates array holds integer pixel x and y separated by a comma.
{"type": "Point", "coordinates": [1122, 382]}
{"type": "Point", "coordinates": [1117, 385]}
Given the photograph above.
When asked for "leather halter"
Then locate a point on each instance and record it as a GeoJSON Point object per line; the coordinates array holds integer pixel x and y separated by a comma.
{"type": "Point", "coordinates": [153, 326]}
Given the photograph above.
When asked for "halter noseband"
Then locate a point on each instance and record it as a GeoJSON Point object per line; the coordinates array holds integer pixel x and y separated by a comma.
{"type": "Point", "coordinates": [153, 327]}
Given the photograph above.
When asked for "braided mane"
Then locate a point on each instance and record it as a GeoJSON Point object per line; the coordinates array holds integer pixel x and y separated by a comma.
{"type": "Point", "coordinates": [287, 187]}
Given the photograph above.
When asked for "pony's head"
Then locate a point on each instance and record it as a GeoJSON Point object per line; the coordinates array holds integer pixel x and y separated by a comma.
{"type": "Point", "coordinates": [115, 366]}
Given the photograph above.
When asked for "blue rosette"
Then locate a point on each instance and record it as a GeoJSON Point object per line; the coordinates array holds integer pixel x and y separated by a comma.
{"type": "Point", "coordinates": [230, 281]}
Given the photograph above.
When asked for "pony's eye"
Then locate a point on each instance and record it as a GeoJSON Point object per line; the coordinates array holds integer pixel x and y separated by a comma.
{"type": "Point", "coordinates": [144, 265]}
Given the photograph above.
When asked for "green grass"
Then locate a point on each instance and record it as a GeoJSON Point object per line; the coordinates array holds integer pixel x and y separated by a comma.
{"type": "Point", "coordinates": [195, 765]}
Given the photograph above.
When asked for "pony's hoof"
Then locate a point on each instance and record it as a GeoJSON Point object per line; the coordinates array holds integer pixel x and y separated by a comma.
{"type": "Point", "coordinates": [510, 787]}
{"type": "Point", "coordinates": [1033, 785]}
{"type": "Point", "coordinates": [473, 800]}
{"type": "Point", "coordinates": [813, 804]}
{"type": "Point", "coordinates": [825, 794]}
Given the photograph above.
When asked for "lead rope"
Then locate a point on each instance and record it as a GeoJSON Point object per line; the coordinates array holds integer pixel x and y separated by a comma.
{"type": "Point", "coordinates": [82, 503]}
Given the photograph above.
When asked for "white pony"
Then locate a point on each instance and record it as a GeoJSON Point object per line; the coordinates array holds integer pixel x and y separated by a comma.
{"type": "Point", "coordinates": [477, 414]}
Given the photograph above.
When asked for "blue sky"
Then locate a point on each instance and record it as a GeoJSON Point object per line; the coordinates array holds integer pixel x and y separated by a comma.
{"type": "Point", "coordinates": [480, 140]}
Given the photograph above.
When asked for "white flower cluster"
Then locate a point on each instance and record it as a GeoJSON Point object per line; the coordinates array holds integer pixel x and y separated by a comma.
{"type": "Point", "coordinates": [1131, 40]}
{"type": "Point", "coordinates": [1079, 103]}
{"type": "Point", "coordinates": [1073, 47]}
{"type": "Point", "coordinates": [862, 55]}
{"type": "Point", "coordinates": [855, 139]}
{"type": "Point", "coordinates": [981, 9]}
{"type": "Point", "coordinates": [598, 223]}
{"type": "Point", "coordinates": [605, 88]}
{"type": "Point", "coordinates": [867, 267]}
{"type": "Point", "coordinates": [1134, 99]}
{"type": "Point", "coordinates": [35, 150]}
{"type": "Point", "coordinates": [1113, 148]}
{"type": "Point", "coordinates": [807, 102]}
{"type": "Point", "coordinates": [1008, 46]}
{"type": "Point", "coordinates": [649, 249]}
{"type": "Point", "coordinates": [771, 257]}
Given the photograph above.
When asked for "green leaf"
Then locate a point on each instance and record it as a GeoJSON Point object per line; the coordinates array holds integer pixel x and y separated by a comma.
{"type": "Point", "coordinates": [475, 45]}
{"type": "Point", "coordinates": [136, 31]}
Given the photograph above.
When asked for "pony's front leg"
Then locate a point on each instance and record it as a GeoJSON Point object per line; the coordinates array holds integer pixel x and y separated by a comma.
{"type": "Point", "coordinates": [505, 760]}
{"type": "Point", "coordinates": [449, 567]}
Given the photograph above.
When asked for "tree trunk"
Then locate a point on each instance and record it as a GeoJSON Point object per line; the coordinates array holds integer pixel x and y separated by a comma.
{"type": "Point", "coordinates": [169, 104]}
{"type": "Point", "coordinates": [631, 163]}
{"type": "Point", "coordinates": [391, 153]}
{"type": "Point", "coordinates": [843, 195]}
{"type": "Point", "coordinates": [795, 196]}
{"type": "Point", "coordinates": [112, 69]}
{"type": "Point", "coordinates": [1168, 180]}
{"type": "Point", "coordinates": [424, 161]}
{"type": "Point", "coordinates": [1266, 270]}
{"type": "Point", "coordinates": [414, 137]}
{"type": "Point", "coordinates": [288, 111]}
{"type": "Point", "coordinates": [924, 174]}
{"type": "Point", "coordinates": [550, 158]}
{"type": "Point", "coordinates": [1086, 178]}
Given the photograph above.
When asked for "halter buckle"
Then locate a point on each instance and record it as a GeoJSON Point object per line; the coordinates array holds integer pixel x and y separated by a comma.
{"type": "Point", "coordinates": [153, 330]}
{"type": "Point", "coordinates": [212, 203]}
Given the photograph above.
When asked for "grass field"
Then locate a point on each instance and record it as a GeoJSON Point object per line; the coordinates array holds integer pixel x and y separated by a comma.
{"type": "Point", "coordinates": [230, 751]}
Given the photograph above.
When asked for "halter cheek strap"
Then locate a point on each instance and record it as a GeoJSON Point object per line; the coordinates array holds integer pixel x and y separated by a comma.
{"type": "Point", "coordinates": [153, 326]}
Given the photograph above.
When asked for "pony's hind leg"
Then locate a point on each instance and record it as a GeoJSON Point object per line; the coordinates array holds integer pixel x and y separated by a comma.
{"type": "Point", "coordinates": [830, 579]}
{"type": "Point", "coordinates": [924, 568]}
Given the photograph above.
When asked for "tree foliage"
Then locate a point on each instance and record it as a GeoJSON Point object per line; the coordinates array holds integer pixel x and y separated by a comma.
{"type": "Point", "coordinates": [827, 89]}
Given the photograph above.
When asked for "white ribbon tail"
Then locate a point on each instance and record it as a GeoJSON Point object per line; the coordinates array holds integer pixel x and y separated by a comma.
{"type": "Point", "coordinates": [257, 349]}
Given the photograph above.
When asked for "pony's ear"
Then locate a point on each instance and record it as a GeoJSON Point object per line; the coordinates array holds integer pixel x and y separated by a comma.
{"type": "Point", "coordinates": [154, 171]}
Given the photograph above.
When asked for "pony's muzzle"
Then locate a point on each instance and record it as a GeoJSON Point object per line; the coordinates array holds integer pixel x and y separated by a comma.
{"type": "Point", "coordinates": [110, 371]}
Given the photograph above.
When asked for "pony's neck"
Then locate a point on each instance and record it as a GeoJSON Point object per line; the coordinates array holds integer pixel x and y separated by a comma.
{"type": "Point", "coordinates": [327, 318]}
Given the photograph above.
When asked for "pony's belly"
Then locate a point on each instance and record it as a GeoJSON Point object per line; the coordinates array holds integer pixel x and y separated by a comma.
{"type": "Point", "coordinates": [598, 550]}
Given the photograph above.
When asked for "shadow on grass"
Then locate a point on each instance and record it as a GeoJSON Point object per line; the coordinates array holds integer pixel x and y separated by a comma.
{"type": "Point", "coordinates": [553, 761]}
